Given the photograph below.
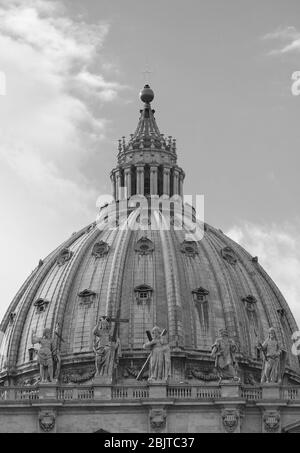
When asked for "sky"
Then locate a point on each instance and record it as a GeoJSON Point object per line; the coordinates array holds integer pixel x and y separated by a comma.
{"type": "Point", "coordinates": [222, 76]}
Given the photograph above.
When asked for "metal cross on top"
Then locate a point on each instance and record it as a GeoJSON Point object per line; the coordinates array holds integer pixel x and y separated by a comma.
{"type": "Point", "coordinates": [147, 73]}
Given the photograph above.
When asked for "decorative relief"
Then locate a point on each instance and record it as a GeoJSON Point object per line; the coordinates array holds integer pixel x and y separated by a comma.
{"type": "Point", "coordinates": [12, 317]}
{"type": "Point", "coordinates": [78, 376]}
{"type": "Point", "coordinates": [41, 305]}
{"type": "Point", "coordinates": [189, 248]}
{"type": "Point", "coordinates": [230, 419]}
{"type": "Point", "coordinates": [271, 421]}
{"type": "Point", "coordinates": [47, 421]}
{"type": "Point", "coordinates": [144, 246]}
{"type": "Point", "coordinates": [64, 256]}
{"type": "Point", "coordinates": [250, 302]}
{"type": "Point", "coordinates": [87, 297]}
{"type": "Point", "coordinates": [229, 255]}
{"type": "Point", "coordinates": [100, 249]}
{"type": "Point", "coordinates": [158, 419]}
{"type": "Point", "coordinates": [143, 294]}
{"type": "Point", "coordinates": [201, 375]}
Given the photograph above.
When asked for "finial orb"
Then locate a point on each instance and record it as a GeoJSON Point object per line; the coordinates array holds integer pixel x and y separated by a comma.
{"type": "Point", "coordinates": [147, 95]}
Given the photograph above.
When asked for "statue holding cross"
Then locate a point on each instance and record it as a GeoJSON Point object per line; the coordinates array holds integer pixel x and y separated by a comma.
{"type": "Point", "coordinates": [106, 345]}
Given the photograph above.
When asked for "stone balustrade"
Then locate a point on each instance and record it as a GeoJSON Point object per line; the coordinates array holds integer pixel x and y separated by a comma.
{"type": "Point", "coordinates": [65, 393]}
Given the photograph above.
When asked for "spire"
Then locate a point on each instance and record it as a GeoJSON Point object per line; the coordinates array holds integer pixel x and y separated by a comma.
{"type": "Point", "coordinates": [147, 162]}
{"type": "Point", "coordinates": [147, 134]}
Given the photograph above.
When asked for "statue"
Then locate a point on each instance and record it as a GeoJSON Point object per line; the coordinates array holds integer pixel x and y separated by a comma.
{"type": "Point", "coordinates": [45, 354]}
{"type": "Point", "coordinates": [159, 358]}
{"type": "Point", "coordinates": [274, 357]}
{"type": "Point", "coordinates": [224, 350]}
{"type": "Point", "coordinates": [106, 347]}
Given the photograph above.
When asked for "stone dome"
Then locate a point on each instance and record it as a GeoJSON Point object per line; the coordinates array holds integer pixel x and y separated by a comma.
{"type": "Point", "coordinates": [144, 277]}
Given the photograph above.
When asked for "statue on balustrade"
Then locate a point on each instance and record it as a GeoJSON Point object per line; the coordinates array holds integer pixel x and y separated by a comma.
{"type": "Point", "coordinates": [45, 354]}
{"type": "Point", "coordinates": [273, 359]}
{"type": "Point", "coordinates": [224, 351]}
{"type": "Point", "coordinates": [159, 358]}
{"type": "Point", "coordinates": [106, 347]}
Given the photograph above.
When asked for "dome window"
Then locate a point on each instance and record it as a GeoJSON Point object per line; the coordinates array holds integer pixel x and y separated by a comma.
{"type": "Point", "coordinates": [100, 249]}
{"type": "Point", "coordinates": [144, 246]}
{"type": "Point", "coordinates": [200, 294]}
{"type": "Point", "coordinates": [250, 302]}
{"type": "Point", "coordinates": [64, 256]}
{"type": "Point", "coordinates": [229, 255]}
{"type": "Point", "coordinates": [87, 297]}
{"type": "Point", "coordinates": [143, 294]}
{"type": "Point", "coordinates": [189, 248]}
{"type": "Point", "coordinates": [41, 305]}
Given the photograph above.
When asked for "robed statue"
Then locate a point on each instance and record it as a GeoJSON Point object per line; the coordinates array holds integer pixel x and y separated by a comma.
{"type": "Point", "coordinates": [106, 347]}
{"type": "Point", "coordinates": [45, 354]}
{"type": "Point", "coordinates": [273, 359]}
{"type": "Point", "coordinates": [224, 351]}
{"type": "Point", "coordinates": [159, 358]}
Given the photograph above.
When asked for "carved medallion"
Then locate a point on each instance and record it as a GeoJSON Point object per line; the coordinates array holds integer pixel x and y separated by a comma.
{"type": "Point", "coordinates": [64, 256]}
{"type": "Point", "coordinates": [229, 255]}
{"type": "Point", "coordinates": [271, 421]}
{"type": "Point", "coordinates": [47, 421]}
{"type": "Point", "coordinates": [41, 305]}
{"type": "Point", "coordinates": [250, 302]}
{"type": "Point", "coordinates": [100, 249]}
{"type": "Point", "coordinates": [144, 246]}
{"type": "Point", "coordinates": [158, 419]}
{"type": "Point", "coordinates": [87, 297]}
{"type": "Point", "coordinates": [230, 418]}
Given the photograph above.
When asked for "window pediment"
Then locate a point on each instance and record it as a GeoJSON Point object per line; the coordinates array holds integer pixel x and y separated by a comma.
{"type": "Point", "coordinates": [100, 249]}
{"type": "Point", "coordinates": [41, 305]}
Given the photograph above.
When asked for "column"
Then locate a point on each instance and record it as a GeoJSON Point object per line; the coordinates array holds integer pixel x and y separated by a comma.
{"type": "Point", "coordinates": [176, 182]}
{"type": "Point", "coordinates": [140, 180]}
{"type": "Point", "coordinates": [153, 180]}
{"type": "Point", "coordinates": [127, 173]}
{"type": "Point", "coordinates": [118, 183]}
{"type": "Point", "coordinates": [181, 178]}
{"type": "Point", "coordinates": [113, 184]}
{"type": "Point", "coordinates": [166, 187]}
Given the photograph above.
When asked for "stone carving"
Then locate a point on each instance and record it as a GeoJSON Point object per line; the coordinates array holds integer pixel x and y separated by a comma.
{"type": "Point", "coordinates": [229, 255]}
{"type": "Point", "coordinates": [271, 421]}
{"type": "Point", "coordinates": [158, 419]}
{"type": "Point", "coordinates": [189, 248]}
{"type": "Point", "coordinates": [12, 317]}
{"type": "Point", "coordinates": [64, 256]}
{"type": "Point", "coordinates": [106, 347]}
{"type": "Point", "coordinates": [230, 419]}
{"type": "Point", "coordinates": [250, 302]}
{"type": "Point", "coordinates": [201, 375]}
{"type": "Point", "coordinates": [87, 297]}
{"type": "Point", "coordinates": [159, 359]}
{"type": "Point", "coordinates": [45, 354]}
{"type": "Point", "coordinates": [144, 246]}
{"type": "Point", "coordinates": [56, 352]}
{"type": "Point", "coordinates": [47, 421]}
{"type": "Point", "coordinates": [274, 359]}
{"type": "Point", "coordinates": [133, 371]}
{"type": "Point", "coordinates": [100, 249]}
{"type": "Point", "coordinates": [224, 350]}
{"type": "Point", "coordinates": [41, 305]}
{"type": "Point", "coordinates": [78, 376]}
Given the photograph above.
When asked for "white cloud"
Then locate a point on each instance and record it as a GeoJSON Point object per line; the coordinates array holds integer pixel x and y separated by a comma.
{"type": "Point", "coordinates": [278, 249]}
{"type": "Point", "coordinates": [289, 39]}
{"type": "Point", "coordinates": [48, 124]}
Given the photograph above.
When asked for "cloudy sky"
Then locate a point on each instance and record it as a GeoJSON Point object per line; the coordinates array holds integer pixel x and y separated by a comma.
{"type": "Point", "coordinates": [222, 75]}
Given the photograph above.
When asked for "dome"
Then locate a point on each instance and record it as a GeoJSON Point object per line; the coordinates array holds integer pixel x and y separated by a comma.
{"type": "Point", "coordinates": [142, 277]}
